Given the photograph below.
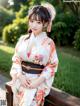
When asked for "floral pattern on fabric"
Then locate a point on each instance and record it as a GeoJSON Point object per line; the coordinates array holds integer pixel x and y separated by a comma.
{"type": "Point", "coordinates": [41, 50]}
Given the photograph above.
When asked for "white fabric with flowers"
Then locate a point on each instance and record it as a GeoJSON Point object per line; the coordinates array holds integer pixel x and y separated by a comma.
{"type": "Point", "coordinates": [40, 50]}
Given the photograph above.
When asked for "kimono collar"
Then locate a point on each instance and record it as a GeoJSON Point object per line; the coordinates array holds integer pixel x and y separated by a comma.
{"type": "Point", "coordinates": [41, 36]}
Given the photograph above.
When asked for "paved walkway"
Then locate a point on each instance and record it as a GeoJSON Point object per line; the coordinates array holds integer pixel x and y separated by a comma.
{"type": "Point", "coordinates": [3, 80]}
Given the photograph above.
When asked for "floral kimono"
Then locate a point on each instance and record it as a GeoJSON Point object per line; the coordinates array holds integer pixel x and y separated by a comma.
{"type": "Point", "coordinates": [37, 49]}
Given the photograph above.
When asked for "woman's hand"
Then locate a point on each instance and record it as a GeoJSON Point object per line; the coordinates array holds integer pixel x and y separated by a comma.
{"type": "Point", "coordinates": [24, 81]}
{"type": "Point", "coordinates": [35, 83]}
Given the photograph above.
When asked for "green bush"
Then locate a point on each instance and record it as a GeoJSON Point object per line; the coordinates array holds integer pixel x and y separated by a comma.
{"type": "Point", "coordinates": [77, 39]}
{"type": "Point", "coordinates": [69, 24]}
{"type": "Point", "coordinates": [72, 26]}
{"type": "Point", "coordinates": [22, 12]}
{"type": "Point", "coordinates": [6, 18]}
{"type": "Point", "coordinates": [59, 33]}
{"type": "Point", "coordinates": [12, 32]}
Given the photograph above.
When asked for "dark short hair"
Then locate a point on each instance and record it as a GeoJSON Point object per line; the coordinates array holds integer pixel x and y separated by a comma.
{"type": "Point", "coordinates": [39, 13]}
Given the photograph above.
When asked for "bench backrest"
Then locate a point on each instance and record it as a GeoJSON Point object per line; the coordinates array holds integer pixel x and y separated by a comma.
{"type": "Point", "coordinates": [55, 98]}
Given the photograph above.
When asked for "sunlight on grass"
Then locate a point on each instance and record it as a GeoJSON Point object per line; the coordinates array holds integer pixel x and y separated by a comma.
{"type": "Point", "coordinates": [7, 49]}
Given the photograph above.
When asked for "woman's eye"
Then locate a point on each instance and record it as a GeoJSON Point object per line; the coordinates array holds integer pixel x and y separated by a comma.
{"type": "Point", "coordinates": [38, 22]}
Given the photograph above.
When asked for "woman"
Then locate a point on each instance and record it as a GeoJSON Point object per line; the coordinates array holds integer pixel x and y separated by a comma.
{"type": "Point", "coordinates": [35, 59]}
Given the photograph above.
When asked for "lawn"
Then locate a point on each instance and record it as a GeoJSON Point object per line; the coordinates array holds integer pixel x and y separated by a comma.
{"type": "Point", "coordinates": [68, 76]}
{"type": "Point", "coordinates": [6, 53]}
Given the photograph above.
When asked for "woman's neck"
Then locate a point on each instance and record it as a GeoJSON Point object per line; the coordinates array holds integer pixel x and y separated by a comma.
{"type": "Point", "coordinates": [37, 34]}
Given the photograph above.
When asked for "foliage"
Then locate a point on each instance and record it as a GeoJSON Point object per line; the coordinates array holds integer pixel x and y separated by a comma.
{"type": "Point", "coordinates": [12, 32]}
{"type": "Point", "coordinates": [17, 4]}
{"type": "Point", "coordinates": [75, 8]}
{"type": "Point", "coordinates": [68, 16]}
{"type": "Point", "coordinates": [64, 27]}
{"type": "Point", "coordinates": [77, 39]}
{"type": "Point", "coordinates": [6, 18]}
{"type": "Point", "coordinates": [59, 32]}
{"type": "Point", "coordinates": [22, 12]}
{"type": "Point", "coordinates": [72, 25]}
{"type": "Point", "coordinates": [65, 24]}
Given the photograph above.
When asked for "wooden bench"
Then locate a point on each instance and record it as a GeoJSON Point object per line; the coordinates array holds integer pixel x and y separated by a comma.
{"type": "Point", "coordinates": [55, 98]}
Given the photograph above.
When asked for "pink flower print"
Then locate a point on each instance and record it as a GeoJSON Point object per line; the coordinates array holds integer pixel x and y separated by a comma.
{"type": "Point", "coordinates": [52, 73]}
{"type": "Point", "coordinates": [38, 58]}
{"type": "Point", "coordinates": [39, 96]}
{"type": "Point", "coordinates": [28, 54]}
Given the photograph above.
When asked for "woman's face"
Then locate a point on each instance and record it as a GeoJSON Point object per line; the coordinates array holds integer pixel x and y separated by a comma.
{"type": "Point", "coordinates": [36, 26]}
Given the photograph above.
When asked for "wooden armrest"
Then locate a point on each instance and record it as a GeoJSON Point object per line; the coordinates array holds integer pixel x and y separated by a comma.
{"type": "Point", "coordinates": [8, 88]}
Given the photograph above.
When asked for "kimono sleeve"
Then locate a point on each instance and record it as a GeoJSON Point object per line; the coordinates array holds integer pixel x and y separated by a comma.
{"type": "Point", "coordinates": [16, 60]}
{"type": "Point", "coordinates": [51, 67]}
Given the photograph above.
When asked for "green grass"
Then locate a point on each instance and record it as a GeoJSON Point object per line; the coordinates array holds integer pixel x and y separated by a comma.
{"type": "Point", "coordinates": [6, 53]}
{"type": "Point", "coordinates": [68, 76]}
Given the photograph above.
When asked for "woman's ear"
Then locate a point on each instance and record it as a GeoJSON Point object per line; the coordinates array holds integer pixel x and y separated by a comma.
{"type": "Point", "coordinates": [45, 25]}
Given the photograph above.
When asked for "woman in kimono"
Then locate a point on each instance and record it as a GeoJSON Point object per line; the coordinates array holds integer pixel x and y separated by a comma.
{"type": "Point", "coordinates": [35, 48]}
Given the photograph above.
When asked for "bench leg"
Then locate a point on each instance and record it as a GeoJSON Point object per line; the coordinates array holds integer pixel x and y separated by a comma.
{"type": "Point", "coordinates": [9, 95]}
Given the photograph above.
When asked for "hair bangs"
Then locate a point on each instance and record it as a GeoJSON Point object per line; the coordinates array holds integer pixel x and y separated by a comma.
{"type": "Point", "coordinates": [39, 13]}
{"type": "Point", "coordinates": [36, 17]}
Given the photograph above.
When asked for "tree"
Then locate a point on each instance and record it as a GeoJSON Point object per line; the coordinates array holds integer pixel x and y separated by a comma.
{"type": "Point", "coordinates": [75, 8]}
{"type": "Point", "coordinates": [18, 3]}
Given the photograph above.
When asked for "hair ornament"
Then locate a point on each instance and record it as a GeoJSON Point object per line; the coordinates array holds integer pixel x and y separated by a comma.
{"type": "Point", "coordinates": [50, 9]}
{"type": "Point", "coordinates": [52, 12]}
